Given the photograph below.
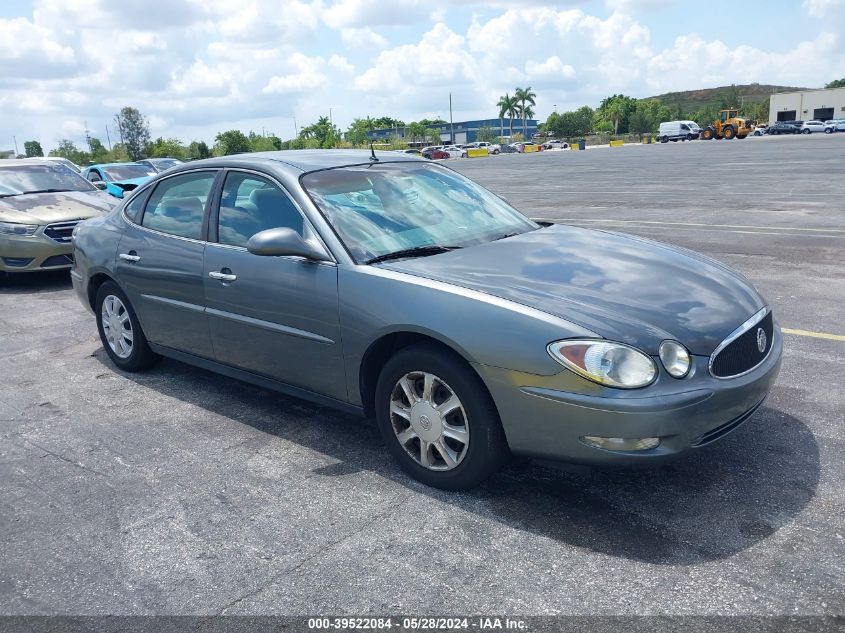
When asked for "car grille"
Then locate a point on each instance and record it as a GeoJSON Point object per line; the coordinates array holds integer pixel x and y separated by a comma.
{"type": "Point", "coordinates": [721, 431]}
{"type": "Point", "coordinates": [57, 260]}
{"type": "Point", "coordinates": [60, 231]}
{"type": "Point", "coordinates": [740, 352]}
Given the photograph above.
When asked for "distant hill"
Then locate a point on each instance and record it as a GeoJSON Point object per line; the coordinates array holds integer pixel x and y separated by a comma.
{"type": "Point", "coordinates": [692, 100]}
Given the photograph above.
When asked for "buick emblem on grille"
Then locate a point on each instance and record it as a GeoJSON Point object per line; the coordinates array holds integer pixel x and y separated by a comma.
{"type": "Point", "coordinates": [761, 340]}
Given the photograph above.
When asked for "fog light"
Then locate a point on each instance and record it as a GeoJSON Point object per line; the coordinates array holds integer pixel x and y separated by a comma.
{"type": "Point", "coordinates": [622, 443]}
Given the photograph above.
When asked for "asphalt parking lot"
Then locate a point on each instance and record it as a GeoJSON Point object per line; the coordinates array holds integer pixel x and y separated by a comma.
{"type": "Point", "coordinates": [182, 492]}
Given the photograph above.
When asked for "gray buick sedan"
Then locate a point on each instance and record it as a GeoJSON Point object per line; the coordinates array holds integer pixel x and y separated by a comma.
{"type": "Point", "coordinates": [392, 287]}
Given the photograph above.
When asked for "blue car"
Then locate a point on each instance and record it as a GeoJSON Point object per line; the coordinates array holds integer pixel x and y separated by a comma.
{"type": "Point", "coordinates": [118, 178]}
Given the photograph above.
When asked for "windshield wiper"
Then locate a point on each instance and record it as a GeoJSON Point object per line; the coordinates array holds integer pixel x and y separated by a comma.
{"type": "Point", "coordinates": [416, 251]}
{"type": "Point", "coordinates": [47, 191]}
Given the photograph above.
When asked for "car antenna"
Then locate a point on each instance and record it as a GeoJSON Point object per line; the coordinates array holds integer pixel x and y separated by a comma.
{"type": "Point", "coordinates": [373, 156]}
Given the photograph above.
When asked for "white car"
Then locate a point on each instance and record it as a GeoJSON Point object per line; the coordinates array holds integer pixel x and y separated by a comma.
{"type": "Point", "coordinates": [555, 144]}
{"type": "Point", "coordinates": [492, 148]}
{"type": "Point", "coordinates": [760, 130]}
{"type": "Point", "coordinates": [812, 126]}
{"type": "Point", "coordinates": [454, 151]}
{"type": "Point", "coordinates": [834, 125]}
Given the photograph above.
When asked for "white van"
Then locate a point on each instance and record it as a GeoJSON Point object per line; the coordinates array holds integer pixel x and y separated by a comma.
{"type": "Point", "coordinates": [678, 130]}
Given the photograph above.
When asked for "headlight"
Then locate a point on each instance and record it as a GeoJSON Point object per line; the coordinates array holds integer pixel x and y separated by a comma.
{"type": "Point", "coordinates": [605, 362]}
{"type": "Point", "coordinates": [11, 228]}
{"type": "Point", "coordinates": [675, 358]}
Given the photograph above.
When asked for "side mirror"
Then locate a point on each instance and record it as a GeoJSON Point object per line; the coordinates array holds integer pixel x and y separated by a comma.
{"type": "Point", "coordinates": [285, 242]}
{"type": "Point", "coordinates": [99, 184]}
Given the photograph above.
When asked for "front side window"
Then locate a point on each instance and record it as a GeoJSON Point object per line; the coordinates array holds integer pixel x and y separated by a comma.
{"type": "Point", "coordinates": [251, 204]}
{"type": "Point", "coordinates": [385, 208]}
{"type": "Point", "coordinates": [177, 205]}
{"type": "Point", "coordinates": [53, 177]}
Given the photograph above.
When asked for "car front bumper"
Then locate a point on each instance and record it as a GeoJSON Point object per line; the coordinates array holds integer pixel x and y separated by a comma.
{"type": "Point", "coordinates": [547, 416]}
{"type": "Point", "coordinates": [23, 254]}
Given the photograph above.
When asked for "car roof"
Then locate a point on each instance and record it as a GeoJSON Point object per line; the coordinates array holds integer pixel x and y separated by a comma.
{"type": "Point", "coordinates": [302, 159]}
{"type": "Point", "coordinates": [17, 162]}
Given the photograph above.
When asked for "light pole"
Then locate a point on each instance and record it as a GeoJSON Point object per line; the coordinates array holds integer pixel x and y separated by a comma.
{"type": "Point", "coordinates": [451, 127]}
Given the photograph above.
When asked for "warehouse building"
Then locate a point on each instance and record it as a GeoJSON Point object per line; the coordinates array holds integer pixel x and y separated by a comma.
{"type": "Point", "coordinates": [462, 131]}
{"type": "Point", "coordinates": [807, 105]}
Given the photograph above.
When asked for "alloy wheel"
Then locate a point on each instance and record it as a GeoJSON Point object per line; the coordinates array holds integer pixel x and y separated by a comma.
{"type": "Point", "coordinates": [429, 421]}
{"type": "Point", "coordinates": [117, 326]}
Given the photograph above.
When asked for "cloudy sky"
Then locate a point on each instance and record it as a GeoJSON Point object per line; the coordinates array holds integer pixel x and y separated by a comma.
{"type": "Point", "coordinates": [195, 67]}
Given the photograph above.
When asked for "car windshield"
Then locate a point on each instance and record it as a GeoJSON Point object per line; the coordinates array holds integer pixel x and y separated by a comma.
{"type": "Point", "coordinates": [128, 171]}
{"type": "Point", "coordinates": [384, 208]}
{"type": "Point", "coordinates": [164, 163]}
{"type": "Point", "coordinates": [20, 179]}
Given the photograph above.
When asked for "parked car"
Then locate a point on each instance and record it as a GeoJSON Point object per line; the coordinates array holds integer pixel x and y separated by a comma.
{"type": "Point", "coordinates": [492, 148]}
{"type": "Point", "coordinates": [118, 178]}
{"type": "Point", "coordinates": [160, 164]}
{"type": "Point", "coordinates": [508, 149]}
{"type": "Point", "coordinates": [834, 125]}
{"type": "Point", "coordinates": [555, 144]}
{"type": "Point", "coordinates": [678, 131]}
{"type": "Point", "coordinates": [41, 202]}
{"type": "Point", "coordinates": [454, 151]}
{"type": "Point", "coordinates": [391, 286]}
{"type": "Point", "coordinates": [760, 130]}
{"type": "Point", "coordinates": [434, 153]}
{"type": "Point", "coordinates": [781, 127]}
{"type": "Point", "coordinates": [809, 127]}
{"type": "Point", "coordinates": [60, 161]}
{"type": "Point", "coordinates": [411, 151]}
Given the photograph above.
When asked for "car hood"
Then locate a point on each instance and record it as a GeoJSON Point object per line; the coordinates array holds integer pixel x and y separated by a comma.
{"type": "Point", "coordinates": [130, 181]}
{"type": "Point", "coordinates": [44, 208]}
{"type": "Point", "coordinates": [621, 287]}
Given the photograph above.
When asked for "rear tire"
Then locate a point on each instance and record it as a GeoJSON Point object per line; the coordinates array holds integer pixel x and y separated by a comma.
{"type": "Point", "coordinates": [421, 439]}
{"type": "Point", "coordinates": [828, 130]}
{"type": "Point", "coordinates": [708, 133]}
{"type": "Point", "coordinates": [120, 332]}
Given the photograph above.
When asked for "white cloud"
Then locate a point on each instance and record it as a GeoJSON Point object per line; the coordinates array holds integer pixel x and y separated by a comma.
{"type": "Point", "coordinates": [27, 50]}
{"type": "Point", "coordinates": [307, 76]}
{"type": "Point", "coordinates": [364, 39]}
{"type": "Point", "coordinates": [824, 8]}
{"type": "Point", "coordinates": [363, 13]}
{"type": "Point", "coordinates": [340, 63]}
{"type": "Point", "coordinates": [553, 68]}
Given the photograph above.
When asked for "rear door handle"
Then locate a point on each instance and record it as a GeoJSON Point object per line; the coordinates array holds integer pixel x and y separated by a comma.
{"type": "Point", "coordinates": [129, 257]}
{"type": "Point", "coordinates": [222, 276]}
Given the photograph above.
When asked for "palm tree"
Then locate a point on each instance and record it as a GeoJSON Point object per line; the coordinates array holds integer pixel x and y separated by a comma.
{"type": "Point", "coordinates": [505, 105]}
{"type": "Point", "coordinates": [416, 130]}
{"type": "Point", "coordinates": [508, 107]}
{"type": "Point", "coordinates": [527, 113]}
{"type": "Point", "coordinates": [524, 97]}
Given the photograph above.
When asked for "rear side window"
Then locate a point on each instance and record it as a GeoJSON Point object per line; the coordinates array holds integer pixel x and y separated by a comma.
{"type": "Point", "coordinates": [251, 204]}
{"type": "Point", "coordinates": [177, 205]}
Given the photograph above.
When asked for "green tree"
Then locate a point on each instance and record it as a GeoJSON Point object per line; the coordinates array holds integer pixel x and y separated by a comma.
{"type": "Point", "coordinates": [231, 142]}
{"type": "Point", "coordinates": [97, 150]}
{"type": "Point", "coordinates": [323, 134]}
{"type": "Point", "coordinates": [261, 143]}
{"type": "Point", "coordinates": [837, 83]}
{"type": "Point", "coordinates": [198, 150]}
{"type": "Point", "coordinates": [416, 131]}
{"type": "Point", "coordinates": [508, 107]}
{"type": "Point", "coordinates": [118, 154]}
{"type": "Point", "coordinates": [571, 124]}
{"type": "Point", "coordinates": [730, 97]}
{"type": "Point", "coordinates": [167, 148]}
{"type": "Point", "coordinates": [33, 149]}
{"type": "Point", "coordinates": [134, 131]}
{"type": "Point", "coordinates": [486, 133]}
{"type": "Point", "coordinates": [67, 149]}
{"type": "Point", "coordinates": [356, 133]}
{"type": "Point", "coordinates": [615, 110]}
{"type": "Point", "coordinates": [525, 97]}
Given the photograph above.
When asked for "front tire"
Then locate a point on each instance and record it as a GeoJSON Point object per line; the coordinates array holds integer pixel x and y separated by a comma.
{"type": "Point", "coordinates": [729, 132]}
{"type": "Point", "coordinates": [807, 131]}
{"type": "Point", "coordinates": [438, 419]}
{"type": "Point", "coordinates": [120, 332]}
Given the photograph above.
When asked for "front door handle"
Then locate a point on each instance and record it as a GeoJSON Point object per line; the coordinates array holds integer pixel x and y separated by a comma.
{"type": "Point", "coordinates": [221, 276]}
{"type": "Point", "coordinates": [130, 257]}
